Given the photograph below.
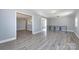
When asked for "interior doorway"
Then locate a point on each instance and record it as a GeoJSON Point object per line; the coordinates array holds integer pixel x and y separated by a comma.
{"type": "Point", "coordinates": [24, 25]}
{"type": "Point", "coordinates": [44, 24]}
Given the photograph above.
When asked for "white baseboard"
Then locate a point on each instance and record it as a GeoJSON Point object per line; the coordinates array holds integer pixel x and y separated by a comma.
{"type": "Point", "coordinates": [70, 31]}
{"type": "Point", "coordinates": [29, 29]}
{"type": "Point", "coordinates": [7, 40]}
{"type": "Point", "coordinates": [37, 32]}
{"type": "Point", "coordinates": [20, 29]}
{"type": "Point", "coordinates": [76, 34]}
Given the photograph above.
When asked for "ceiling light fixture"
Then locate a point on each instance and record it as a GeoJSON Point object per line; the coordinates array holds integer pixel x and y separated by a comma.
{"type": "Point", "coordinates": [53, 11]}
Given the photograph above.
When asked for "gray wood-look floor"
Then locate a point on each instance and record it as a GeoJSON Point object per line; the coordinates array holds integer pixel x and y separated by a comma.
{"type": "Point", "coordinates": [43, 41]}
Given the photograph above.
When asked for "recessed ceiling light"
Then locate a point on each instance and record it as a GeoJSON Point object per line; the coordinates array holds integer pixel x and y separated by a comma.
{"type": "Point", "coordinates": [53, 11]}
{"type": "Point", "coordinates": [66, 13]}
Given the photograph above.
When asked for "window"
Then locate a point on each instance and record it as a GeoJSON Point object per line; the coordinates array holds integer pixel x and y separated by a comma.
{"type": "Point", "coordinates": [76, 22]}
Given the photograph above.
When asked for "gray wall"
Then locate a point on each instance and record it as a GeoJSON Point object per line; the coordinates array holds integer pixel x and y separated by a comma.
{"type": "Point", "coordinates": [7, 24]}
{"type": "Point", "coordinates": [29, 24]}
{"type": "Point", "coordinates": [62, 21]}
{"type": "Point", "coordinates": [36, 24]}
{"type": "Point", "coordinates": [21, 24]}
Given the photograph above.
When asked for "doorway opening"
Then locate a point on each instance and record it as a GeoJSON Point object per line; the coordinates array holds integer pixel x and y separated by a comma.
{"type": "Point", "coordinates": [24, 25]}
{"type": "Point", "coordinates": [44, 24]}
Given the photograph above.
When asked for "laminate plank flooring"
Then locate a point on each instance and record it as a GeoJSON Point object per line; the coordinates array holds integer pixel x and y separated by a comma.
{"type": "Point", "coordinates": [42, 41]}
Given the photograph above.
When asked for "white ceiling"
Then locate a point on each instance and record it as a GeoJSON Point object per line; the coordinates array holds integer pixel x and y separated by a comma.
{"type": "Point", "coordinates": [52, 12]}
